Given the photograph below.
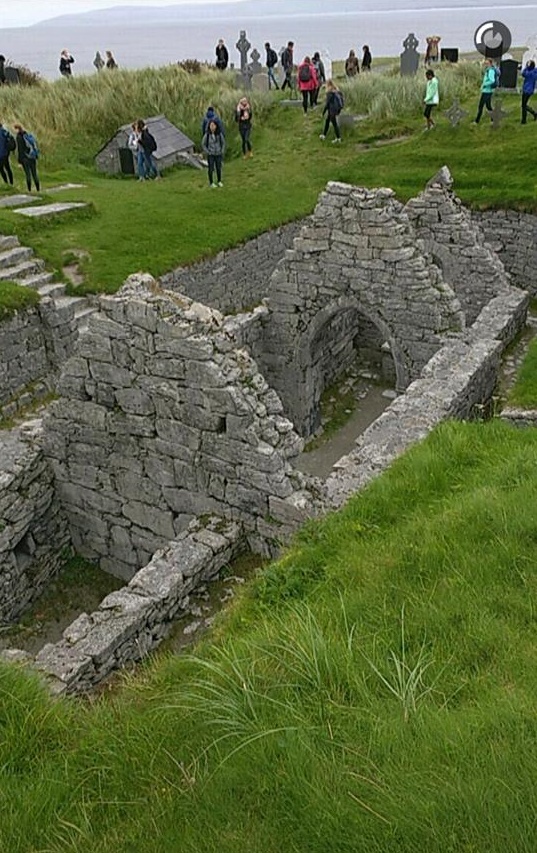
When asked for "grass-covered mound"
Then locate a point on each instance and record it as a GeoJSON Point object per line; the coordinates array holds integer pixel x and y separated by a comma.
{"type": "Point", "coordinates": [375, 691]}
{"type": "Point", "coordinates": [14, 298]}
{"type": "Point", "coordinates": [158, 226]}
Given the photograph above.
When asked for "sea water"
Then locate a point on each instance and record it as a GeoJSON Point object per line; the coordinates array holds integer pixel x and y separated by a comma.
{"type": "Point", "coordinates": [39, 47]}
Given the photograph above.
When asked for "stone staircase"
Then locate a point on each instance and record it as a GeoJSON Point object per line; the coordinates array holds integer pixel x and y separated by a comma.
{"type": "Point", "coordinates": [18, 264]}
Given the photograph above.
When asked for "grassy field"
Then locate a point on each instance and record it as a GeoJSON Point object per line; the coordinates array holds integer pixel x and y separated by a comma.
{"type": "Point", "coordinates": [158, 226]}
{"type": "Point", "coordinates": [375, 690]}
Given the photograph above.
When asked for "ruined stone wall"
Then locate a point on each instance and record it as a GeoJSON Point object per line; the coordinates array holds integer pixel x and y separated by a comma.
{"type": "Point", "coordinates": [163, 417]}
{"type": "Point", "coordinates": [132, 621]}
{"type": "Point", "coordinates": [33, 530]}
{"type": "Point", "coordinates": [236, 279]}
{"type": "Point", "coordinates": [33, 345]}
{"type": "Point", "coordinates": [359, 251]}
{"type": "Point", "coordinates": [513, 236]}
{"type": "Point", "coordinates": [457, 245]}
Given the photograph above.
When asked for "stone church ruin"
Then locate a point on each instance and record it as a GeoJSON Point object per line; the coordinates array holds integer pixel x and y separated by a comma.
{"type": "Point", "coordinates": [183, 406]}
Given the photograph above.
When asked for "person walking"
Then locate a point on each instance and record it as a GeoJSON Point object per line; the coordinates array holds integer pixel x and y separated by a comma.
{"type": "Point", "coordinates": [529, 74]}
{"type": "Point", "coordinates": [66, 60]}
{"type": "Point", "coordinates": [222, 55]}
{"type": "Point", "coordinates": [27, 154]}
{"type": "Point", "coordinates": [111, 63]}
{"type": "Point", "coordinates": [98, 62]}
{"type": "Point", "coordinates": [271, 62]}
{"type": "Point", "coordinates": [488, 85]}
{"type": "Point", "coordinates": [431, 99]}
{"type": "Point", "coordinates": [321, 75]}
{"type": "Point", "coordinates": [288, 64]}
{"type": "Point", "coordinates": [307, 83]}
{"type": "Point", "coordinates": [214, 146]}
{"type": "Point", "coordinates": [332, 108]}
{"type": "Point", "coordinates": [352, 66]}
{"type": "Point", "coordinates": [2, 69]}
{"type": "Point", "coordinates": [366, 58]}
{"type": "Point", "coordinates": [7, 145]}
{"type": "Point", "coordinates": [243, 117]}
{"type": "Point", "coordinates": [148, 145]}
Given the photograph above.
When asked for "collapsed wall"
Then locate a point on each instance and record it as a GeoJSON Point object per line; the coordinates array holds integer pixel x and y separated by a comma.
{"type": "Point", "coordinates": [163, 418]}
{"type": "Point", "coordinates": [33, 529]}
{"type": "Point", "coordinates": [512, 235]}
{"type": "Point", "coordinates": [457, 245]}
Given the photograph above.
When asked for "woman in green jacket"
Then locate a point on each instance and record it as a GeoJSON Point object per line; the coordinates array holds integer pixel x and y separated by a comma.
{"type": "Point", "coordinates": [431, 98]}
{"type": "Point", "coordinates": [487, 88]}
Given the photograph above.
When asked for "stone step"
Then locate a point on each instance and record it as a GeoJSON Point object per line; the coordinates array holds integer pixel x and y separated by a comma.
{"type": "Point", "coordinates": [23, 270]}
{"type": "Point", "coordinates": [76, 302]}
{"type": "Point", "coordinates": [8, 241]}
{"type": "Point", "coordinates": [17, 200]}
{"type": "Point", "coordinates": [36, 281]}
{"type": "Point", "coordinates": [83, 314]}
{"type": "Point", "coordinates": [54, 290]}
{"type": "Point", "coordinates": [14, 256]}
{"type": "Point", "coordinates": [49, 209]}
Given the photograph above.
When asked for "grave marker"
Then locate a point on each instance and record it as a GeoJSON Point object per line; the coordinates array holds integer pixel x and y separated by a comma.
{"type": "Point", "coordinates": [410, 58]}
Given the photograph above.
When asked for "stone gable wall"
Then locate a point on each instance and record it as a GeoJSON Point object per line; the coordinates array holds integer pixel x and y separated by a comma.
{"type": "Point", "coordinates": [33, 530]}
{"type": "Point", "coordinates": [513, 236]}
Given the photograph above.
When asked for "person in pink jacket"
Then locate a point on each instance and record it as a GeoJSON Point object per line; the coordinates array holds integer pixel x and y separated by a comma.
{"type": "Point", "coordinates": [307, 83]}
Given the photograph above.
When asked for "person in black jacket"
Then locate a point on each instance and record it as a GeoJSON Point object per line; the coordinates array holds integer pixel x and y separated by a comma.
{"type": "Point", "coordinates": [27, 156]}
{"type": "Point", "coordinates": [147, 144]}
{"type": "Point", "coordinates": [66, 60]}
{"type": "Point", "coordinates": [243, 117]}
{"type": "Point", "coordinates": [222, 55]}
{"type": "Point", "coordinates": [6, 140]}
{"type": "Point", "coordinates": [2, 69]}
{"type": "Point", "coordinates": [288, 63]}
{"type": "Point", "coordinates": [271, 62]}
{"type": "Point", "coordinates": [332, 108]}
{"type": "Point", "coordinates": [366, 58]}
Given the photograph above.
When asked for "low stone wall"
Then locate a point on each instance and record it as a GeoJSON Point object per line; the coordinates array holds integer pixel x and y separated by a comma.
{"type": "Point", "coordinates": [236, 279]}
{"type": "Point", "coordinates": [33, 530]}
{"type": "Point", "coordinates": [520, 417]}
{"type": "Point", "coordinates": [513, 236]}
{"type": "Point", "coordinates": [135, 619]}
{"type": "Point", "coordinates": [34, 344]}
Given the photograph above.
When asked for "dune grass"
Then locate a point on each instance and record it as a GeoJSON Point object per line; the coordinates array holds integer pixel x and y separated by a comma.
{"type": "Point", "coordinates": [373, 691]}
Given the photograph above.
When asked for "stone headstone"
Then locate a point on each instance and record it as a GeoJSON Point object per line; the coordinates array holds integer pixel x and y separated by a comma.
{"type": "Point", "coordinates": [243, 81]}
{"type": "Point", "coordinates": [12, 74]}
{"type": "Point", "coordinates": [260, 83]}
{"type": "Point", "coordinates": [508, 73]}
{"type": "Point", "coordinates": [531, 52]}
{"type": "Point", "coordinates": [49, 209]}
{"type": "Point", "coordinates": [243, 46]}
{"type": "Point", "coordinates": [497, 115]}
{"type": "Point", "coordinates": [449, 54]}
{"type": "Point", "coordinates": [410, 58]}
{"type": "Point", "coordinates": [455, 113]}
{"type": "Point", "coordinates": [15, 200]}
{"type": "Point", "coordinates": [255, 66]}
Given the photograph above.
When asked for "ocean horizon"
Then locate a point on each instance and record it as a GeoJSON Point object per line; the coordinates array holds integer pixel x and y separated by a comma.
{"type": "Point", "coordinates": [39, 47]}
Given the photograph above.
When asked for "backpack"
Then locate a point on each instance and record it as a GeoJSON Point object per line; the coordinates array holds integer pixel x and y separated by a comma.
{"type": "Point", "coordinates": [272, 58]}
{"type": "Point", "coordinates": [496, 82]}
{"type": "Point", "coordinates": [11, 141]}
{"type": "Point", "coordinates": [304, 73]}
{"type": "Point", "coordinates": [339, 101]}
{"type": "Point", "coordinates": [32, 150]}
{"type": "Point", "coordinates": [151, 142]}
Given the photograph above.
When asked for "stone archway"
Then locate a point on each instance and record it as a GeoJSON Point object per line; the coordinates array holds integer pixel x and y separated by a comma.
{"type": "Point", "coordinates": [358, 251]}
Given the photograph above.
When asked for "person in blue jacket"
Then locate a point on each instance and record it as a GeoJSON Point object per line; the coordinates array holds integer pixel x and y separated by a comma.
{"type": "Point", "coordinates": [529, 74]}
{"type": "Point", "coordinates": [487, 88]}
{"type": "Point", "coordinates": [211, 115]}
{"type": "Point", "coordinates": [6, 143]}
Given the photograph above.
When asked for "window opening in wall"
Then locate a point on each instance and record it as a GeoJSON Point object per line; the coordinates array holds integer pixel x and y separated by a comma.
{"type": "Point", "coordinates": [24, 552]}
{"type": "Point", "coordinates": [221, 428]}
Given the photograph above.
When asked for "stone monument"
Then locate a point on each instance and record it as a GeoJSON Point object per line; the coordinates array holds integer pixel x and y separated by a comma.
{"type": "Point", "coordinates": [327, 62]}
{"type": "Point", "coordinates": [455, 113]}
{"type": "Point", "coordinates": [244, 79]}
{"type": "Point", "coordinates": [508, 73]}
{"type": "Point", "coordinates": [410, 58]}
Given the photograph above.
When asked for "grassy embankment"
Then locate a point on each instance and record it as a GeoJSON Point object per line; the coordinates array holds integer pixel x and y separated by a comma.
{"type": "Point", "coordinates": [375, 690]}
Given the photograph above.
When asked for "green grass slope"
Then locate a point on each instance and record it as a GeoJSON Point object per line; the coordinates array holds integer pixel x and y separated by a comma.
{"type": "Point", "coordinates": [374, 691]}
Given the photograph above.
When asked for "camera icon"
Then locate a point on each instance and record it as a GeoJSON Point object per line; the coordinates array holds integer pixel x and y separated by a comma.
{"type": "Point", "coordinates": [492, 39]}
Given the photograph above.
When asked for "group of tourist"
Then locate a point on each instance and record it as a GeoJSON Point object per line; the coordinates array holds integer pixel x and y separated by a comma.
{"type": "Point", "coordinates": [352, 63]}
{"type": "Point", "coordinates": [143, 145]}
{"type": "Point", "coordinates": [25, 145]}
{"type": "Point", "coordinates": [213, 140]}
{"type": "Point", "coordinates": [67, 61]}
{"type": "Point", "coordinates": [489, 82]}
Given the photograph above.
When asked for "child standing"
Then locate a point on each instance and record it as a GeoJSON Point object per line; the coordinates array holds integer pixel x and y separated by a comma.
{"type": "Point", "coordinates": [332, 108]}
{"type": "Point", "coordinates": [431, 98]}
{"type": "Point", "coordinates": [214, 145]}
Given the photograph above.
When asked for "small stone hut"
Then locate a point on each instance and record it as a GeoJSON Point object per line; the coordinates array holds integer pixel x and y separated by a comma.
{"type": "Point", "coordinates": [173, 147]}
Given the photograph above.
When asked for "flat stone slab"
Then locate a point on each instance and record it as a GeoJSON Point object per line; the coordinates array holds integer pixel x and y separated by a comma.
{"type": "Point", "coordinates": [61, 187]}
{"type": "Point", "coordinates": [50, 209]}
{"type": "Point", "coordinates": [14, 200]}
